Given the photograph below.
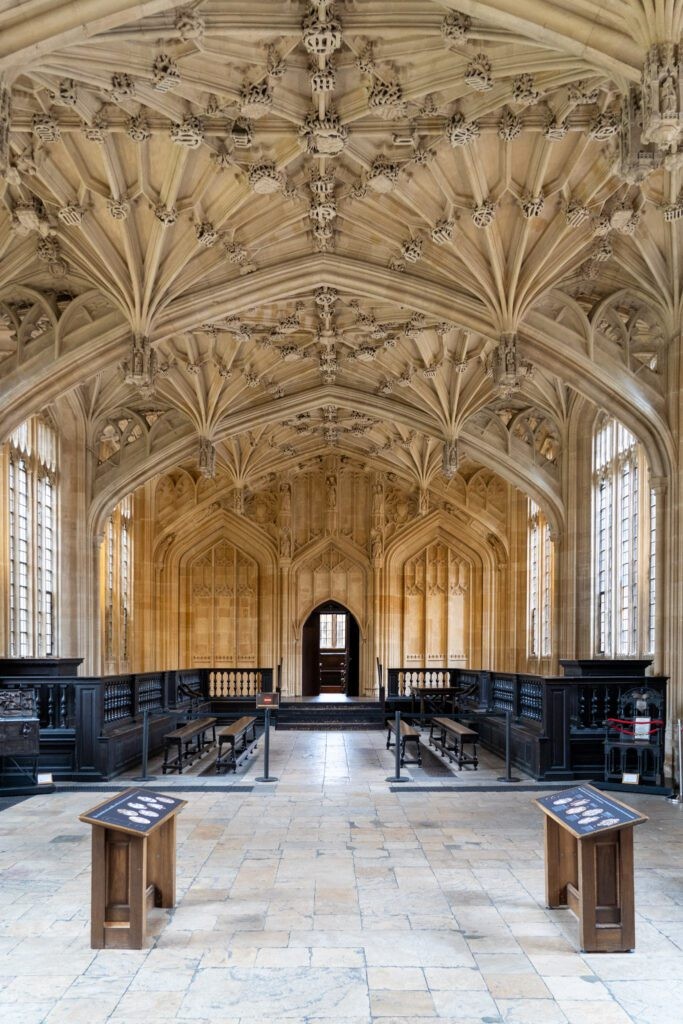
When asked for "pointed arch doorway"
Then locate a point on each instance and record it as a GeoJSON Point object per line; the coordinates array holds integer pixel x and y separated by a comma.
{"type": "Point", "coordinates": [330, 652]}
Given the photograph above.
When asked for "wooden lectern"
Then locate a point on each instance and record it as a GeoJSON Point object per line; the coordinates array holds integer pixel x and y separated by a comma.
{"type": "Point", "coordinates": [133, 864]}
{"type": "Point", "coordinates": [589, 865]}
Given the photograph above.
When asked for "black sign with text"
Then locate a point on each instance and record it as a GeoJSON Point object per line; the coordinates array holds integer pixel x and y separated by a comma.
{"type": "Point", "coordinates": [585, 810]}
{"type": "Point", "coordinates": [267, 700]}
{"type": "Point", "coordinates": [136, 810]}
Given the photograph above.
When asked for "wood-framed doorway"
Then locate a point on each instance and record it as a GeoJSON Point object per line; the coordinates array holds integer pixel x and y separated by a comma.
{"type": "Point", "coordinates": [330, 652]}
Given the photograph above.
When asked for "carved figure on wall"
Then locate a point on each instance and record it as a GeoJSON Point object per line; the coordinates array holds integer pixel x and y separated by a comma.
{"type": "Point", "coordinates": [331, 482]}
{"type": "Point", "coordinates": [423, 502]}
{"type": "Point", "coordinates": [668, 96]}
{"type": "Point", "coordinates": [285, 542]}
{"type": "Point", "coordinates": [377, 546]}
{"type": "Point", "coordinates": [377, 499]}
{"type": "Point", "coordinates": [285, 499]}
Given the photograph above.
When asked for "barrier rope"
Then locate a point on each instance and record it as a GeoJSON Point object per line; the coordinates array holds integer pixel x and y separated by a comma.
{"type": "Point", "coordinates": [621, 725]}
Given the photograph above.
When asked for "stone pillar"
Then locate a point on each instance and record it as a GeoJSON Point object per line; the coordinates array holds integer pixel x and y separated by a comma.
{"type": "Point", "coordinates": [94, 663]}
{"type": "Point", "coordinates": [286, 646]}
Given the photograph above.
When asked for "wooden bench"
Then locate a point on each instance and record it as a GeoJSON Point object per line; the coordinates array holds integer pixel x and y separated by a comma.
{"type": "Point", "coordinates": [180, 741]}
{"type": "Point", "coordinates": [459, 735]}
{"type": "Point", "coordinates": [408, 735]}
{"type": "Point", "coordinates": [231, 735]}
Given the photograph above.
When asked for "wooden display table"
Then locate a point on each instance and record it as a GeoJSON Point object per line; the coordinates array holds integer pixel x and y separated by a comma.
{"type": "Point", "coordinates": [133, 864]}
{"type": "Point", "coordinates": [589, 865]}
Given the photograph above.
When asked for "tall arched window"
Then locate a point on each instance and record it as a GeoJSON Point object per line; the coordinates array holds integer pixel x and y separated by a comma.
{"type": "Point", "coordinates": [117, 575]}
{"type": "Point", "coordinates": [624, 540]}
{"type": "Point", "coordinates": [539, 584]}
{"type": "Point", "coordinates": [32, 539]}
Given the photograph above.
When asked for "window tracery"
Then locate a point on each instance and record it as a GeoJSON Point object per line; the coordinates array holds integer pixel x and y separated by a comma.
{"type": "Point", "coordinates": [624, 544]}
{"type": "Point", "coordinates": [32, 538]}
{"type": "Point", "coordinates": [540, 556]}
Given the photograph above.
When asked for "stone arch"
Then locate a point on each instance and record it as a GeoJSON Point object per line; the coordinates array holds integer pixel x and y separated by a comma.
{"type": "Point", "coordinates": [329, 569]}
{"type": "Point", "coordinates": [177, 553]}
{"type": "Point", "coordinates": [483, 578]}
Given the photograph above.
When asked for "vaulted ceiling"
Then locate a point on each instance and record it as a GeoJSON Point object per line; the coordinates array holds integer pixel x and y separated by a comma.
{"type": "Point", "coordinates": [406, 232]}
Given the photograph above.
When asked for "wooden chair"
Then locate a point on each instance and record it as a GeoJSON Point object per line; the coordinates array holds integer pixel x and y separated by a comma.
{"type": "Point", "coordinates": [634, 739]}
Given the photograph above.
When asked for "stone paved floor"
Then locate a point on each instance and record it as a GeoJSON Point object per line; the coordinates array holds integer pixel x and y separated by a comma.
{"type": "Point", "coordinates": [330, 899]}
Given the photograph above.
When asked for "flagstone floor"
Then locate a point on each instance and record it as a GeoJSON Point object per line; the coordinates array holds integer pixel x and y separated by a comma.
{"type": "Point", "coordinates": [333, 898]}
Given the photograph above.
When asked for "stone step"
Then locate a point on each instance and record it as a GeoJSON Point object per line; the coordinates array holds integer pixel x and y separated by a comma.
{"type": "Point", "coordinates": [330, 715]}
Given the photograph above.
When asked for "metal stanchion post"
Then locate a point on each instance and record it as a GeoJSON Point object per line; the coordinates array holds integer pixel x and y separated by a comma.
{"type": "Point", "coordinates": [266, 750]}
{"type": "Point", "coordinates": [145, 750]}
{"type": "Point", "coordinates": [397, 777]}
{"type": "Point", "coordinates": [508, 777]}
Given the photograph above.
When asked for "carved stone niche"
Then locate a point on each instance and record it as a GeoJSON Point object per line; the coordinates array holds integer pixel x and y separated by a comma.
{"type": "Point", "coordinates": [662, 96]}
{"type": "Point", "coordinates": [206, 458]}
{"type": "Point", "coordinates": [636, 158]}
{"type": "Point", "coordinates": [450, 460]}
{"type": "Point", "coordinates": [507, 368]}
{"type": "Point", "coordinates": [141, 367]}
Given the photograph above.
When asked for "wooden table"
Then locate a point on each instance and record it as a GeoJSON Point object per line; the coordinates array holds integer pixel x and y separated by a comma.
{"type": "Point", "coordinates": [589, 865]}
{"type": "Point", "coordinates": [133, 864]}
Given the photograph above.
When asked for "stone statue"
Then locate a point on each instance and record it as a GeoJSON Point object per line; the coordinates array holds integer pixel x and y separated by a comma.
{"type": "Point", "coordinates": [377, 499]}
{"type": "Point", "coordinates": [376, 545]}
{"type": "Point", "coordinates": [331, 492]}
{"type": "Point", "coordinates": [285, 499]}
{"type": "Point", "coordinates": [668, 100]}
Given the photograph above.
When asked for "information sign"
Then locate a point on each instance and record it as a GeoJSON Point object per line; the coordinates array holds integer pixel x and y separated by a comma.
{"type": "Point", "coordinates": [584, 810]}
{"type": "Point", "coordinates": [137, 810]}
{"type": "Point", "coordinates": [267, 700]}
